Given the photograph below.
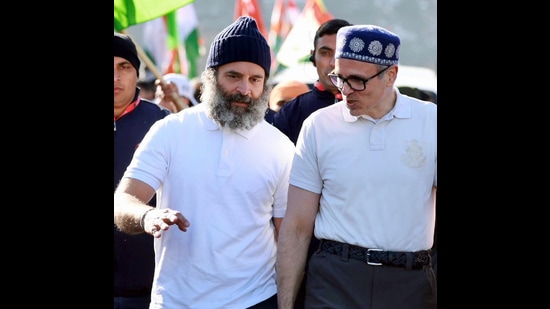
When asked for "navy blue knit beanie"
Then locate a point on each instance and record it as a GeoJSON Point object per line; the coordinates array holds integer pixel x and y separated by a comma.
{"type": "Point", "coordinates": [125, 48]}
{"type": "Point", "coordinates": [240, 41]}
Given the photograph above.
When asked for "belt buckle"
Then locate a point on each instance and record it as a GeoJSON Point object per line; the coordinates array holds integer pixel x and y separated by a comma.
{"type": "Point", "coordinates": [368, 254]}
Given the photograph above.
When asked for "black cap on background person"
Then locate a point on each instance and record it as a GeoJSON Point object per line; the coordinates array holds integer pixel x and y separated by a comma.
{"type": "Point", "coordinates": [125, 48]}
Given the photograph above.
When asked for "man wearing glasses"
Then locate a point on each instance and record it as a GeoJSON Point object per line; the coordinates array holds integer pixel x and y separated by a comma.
{"type": "Point", "coordinates": [364, 180]}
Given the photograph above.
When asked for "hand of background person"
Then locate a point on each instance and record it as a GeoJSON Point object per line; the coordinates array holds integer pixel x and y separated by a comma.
{"type": "Point", "coordinates": [157, 220]}
{"type": "Point", "coordinates": [169, 94]}
{"type": "Point", "coordinates": [168, 88]}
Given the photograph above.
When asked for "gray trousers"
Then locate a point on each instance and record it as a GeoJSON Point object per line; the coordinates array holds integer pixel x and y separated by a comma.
{"type": "Point", "coordinates": [340, 282]}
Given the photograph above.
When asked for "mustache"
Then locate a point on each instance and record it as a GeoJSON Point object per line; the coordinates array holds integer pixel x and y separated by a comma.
{"type": "Point", "coordinates": [237, 97]}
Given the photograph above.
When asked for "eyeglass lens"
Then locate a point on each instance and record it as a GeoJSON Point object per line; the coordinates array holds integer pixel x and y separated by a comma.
{"type": "Point", "coordinates": [356, 84]}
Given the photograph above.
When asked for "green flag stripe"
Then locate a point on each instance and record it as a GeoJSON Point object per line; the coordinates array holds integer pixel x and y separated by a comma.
{"type": "Point", "coordinates": [133, 12]}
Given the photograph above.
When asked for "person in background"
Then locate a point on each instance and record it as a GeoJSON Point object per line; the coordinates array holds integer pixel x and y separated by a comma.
{"type": "Point", "coordinates": [221, 174]}
{"type": "Point", "coordinates": [197, 84]}
{"type": "Point", "coordinates": [134, 256]}
{"type": "Point", "coordinates": [147, 86]}
{"type": "Point", "coordinates": [364, 179]}
{"type": "Point", "coordinates": [281, 94]}
{"type": "Point", "coordinates": [291, 116]}
{"type": "Point", "coordinates": [179, 84]}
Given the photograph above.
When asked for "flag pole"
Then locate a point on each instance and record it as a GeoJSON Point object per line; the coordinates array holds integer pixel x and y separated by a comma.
{"type": "Point", "coordinates": [151, 66]}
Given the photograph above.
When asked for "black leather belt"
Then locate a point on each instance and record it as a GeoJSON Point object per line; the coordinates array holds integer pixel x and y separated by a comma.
{"type": "Point", "coordinates": [408, 260]}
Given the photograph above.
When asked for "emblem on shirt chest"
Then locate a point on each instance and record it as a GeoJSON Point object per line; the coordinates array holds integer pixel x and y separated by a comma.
{"type": "Point", "coordinates": [414, 155]}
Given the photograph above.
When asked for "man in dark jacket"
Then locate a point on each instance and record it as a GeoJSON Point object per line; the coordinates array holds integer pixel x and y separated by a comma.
{"type": "Point", "coordinates": [133, 116]}
{"type": "Point", "coordinates": [291, 116]}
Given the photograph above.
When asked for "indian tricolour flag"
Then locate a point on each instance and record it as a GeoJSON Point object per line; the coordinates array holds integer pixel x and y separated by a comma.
{"type": "Point", "coordinates": [299, 41]}
{"type": "Point", "coordinates": [173, 42]}
{"type": "Point", "coordinates": [285, 13]}
{"type": "Point", "coordinates": [133, 12]}
{"type": "Point", "coordinates": [253, 9]}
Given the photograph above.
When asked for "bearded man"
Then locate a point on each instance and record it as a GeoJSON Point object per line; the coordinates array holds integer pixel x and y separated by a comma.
{"type": "Point", "coordinates": [221, 175]}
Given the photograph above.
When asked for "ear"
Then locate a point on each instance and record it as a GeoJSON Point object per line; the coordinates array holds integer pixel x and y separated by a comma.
{"type": "Point", "coordinates": [312, 57]}
{"type": "Point", "coordinates": [392, 72]}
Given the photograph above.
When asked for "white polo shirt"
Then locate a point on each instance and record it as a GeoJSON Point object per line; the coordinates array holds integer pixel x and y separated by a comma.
{"type": "Point", "coordinates": [377, 179]}
{"type": "Point", "coordinates": [229, 185]}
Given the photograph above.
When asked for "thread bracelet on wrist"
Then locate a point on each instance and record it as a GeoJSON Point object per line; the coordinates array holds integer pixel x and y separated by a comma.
{"type": "Point", "coordinates": [142, 219]}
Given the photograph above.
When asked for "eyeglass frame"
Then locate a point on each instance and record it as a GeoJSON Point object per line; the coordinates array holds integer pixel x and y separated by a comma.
{"type": "Point", "coordinates": [331, 76]}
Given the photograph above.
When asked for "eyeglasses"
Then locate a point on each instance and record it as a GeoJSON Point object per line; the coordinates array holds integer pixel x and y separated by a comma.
{"type": "Point", "coordinates": [357, 84]}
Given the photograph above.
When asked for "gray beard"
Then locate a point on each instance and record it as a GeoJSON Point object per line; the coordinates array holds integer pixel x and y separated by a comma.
{"type": "Point", "coordinates": [220, 109]}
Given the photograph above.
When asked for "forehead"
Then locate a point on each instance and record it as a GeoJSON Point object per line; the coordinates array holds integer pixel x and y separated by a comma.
{"type": "Point", "coordinates": [243, 68]}
{"type": "Point", "coordinates": [326, 41]}
{"type": "Point", "coordinates": [347, 67]}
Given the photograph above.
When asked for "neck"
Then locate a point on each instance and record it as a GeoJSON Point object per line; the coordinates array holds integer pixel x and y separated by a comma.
{"type": "Point", "coordinates": [389, 104]}
{"type": "Point", "coordinates": [384, 107]}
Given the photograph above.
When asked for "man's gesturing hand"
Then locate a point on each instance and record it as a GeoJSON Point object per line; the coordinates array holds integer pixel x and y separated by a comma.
{"type": "Point", "coordinates": [156, 220]}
